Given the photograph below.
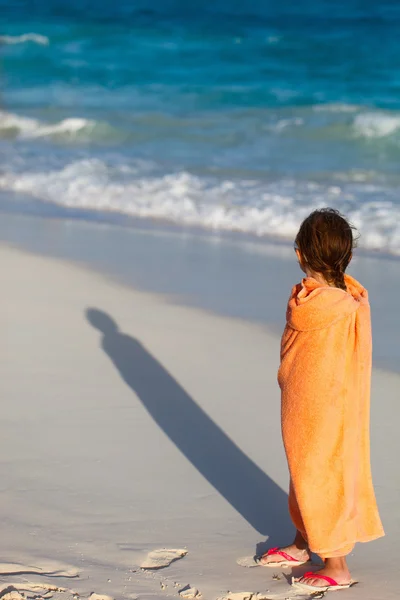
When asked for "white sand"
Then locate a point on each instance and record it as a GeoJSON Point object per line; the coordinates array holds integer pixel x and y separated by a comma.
{"type": "Point", "coordinates": [164, 434]}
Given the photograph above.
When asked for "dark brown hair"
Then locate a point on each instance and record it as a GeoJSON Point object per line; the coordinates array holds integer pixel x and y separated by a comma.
{"type": "Point", "coordinates": [325, 240]}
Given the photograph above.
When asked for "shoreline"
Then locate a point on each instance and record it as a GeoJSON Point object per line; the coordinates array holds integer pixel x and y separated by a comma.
{"type": "Point", "coordinates": [161, 226]}
{"type": "Point", "coordinates": [165, 298]}
{"type": "Point", "coordinates": [249, 282]}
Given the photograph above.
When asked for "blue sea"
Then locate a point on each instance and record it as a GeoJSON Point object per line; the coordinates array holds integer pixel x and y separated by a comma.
{"type": "Point", "coordinates": [230, 115]}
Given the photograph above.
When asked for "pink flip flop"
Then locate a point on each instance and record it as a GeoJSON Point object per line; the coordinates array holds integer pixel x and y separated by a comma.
{"type": "Point", "coordinates": [287, 560]}
{"type": "Point", "coordinates": [331, 587]}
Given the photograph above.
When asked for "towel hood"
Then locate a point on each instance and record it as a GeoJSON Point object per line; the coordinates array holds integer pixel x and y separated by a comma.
{"type": "Point", "coordinates": [313, 305]}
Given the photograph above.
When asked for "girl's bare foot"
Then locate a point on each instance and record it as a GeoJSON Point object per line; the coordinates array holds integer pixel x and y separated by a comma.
{"type": "Point", "coordinates": [335, 568]}
{"type": "Point", "coordinates": [293, 551]}
{"type": "Point", "coordinates": [298, 550]}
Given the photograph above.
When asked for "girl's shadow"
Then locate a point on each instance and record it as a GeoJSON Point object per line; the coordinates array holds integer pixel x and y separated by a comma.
{"type": "Point", "coordinates": [233, 474]}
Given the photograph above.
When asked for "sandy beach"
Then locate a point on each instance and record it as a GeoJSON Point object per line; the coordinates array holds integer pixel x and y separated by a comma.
{"type": "Point", "coordinates": [134, 421]}
{"type": "Point", "coordinates": [156, 162]}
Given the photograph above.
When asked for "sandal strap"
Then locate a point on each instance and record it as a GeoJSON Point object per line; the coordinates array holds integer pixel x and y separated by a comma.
{"type": "Point", "coordinates": [281, 553]}
{"type": "Point", "coordinates": [329, 580]}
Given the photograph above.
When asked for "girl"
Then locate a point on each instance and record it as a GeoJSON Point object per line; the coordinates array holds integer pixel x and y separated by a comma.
{"type": "Point", "coordinates": [324, 377]}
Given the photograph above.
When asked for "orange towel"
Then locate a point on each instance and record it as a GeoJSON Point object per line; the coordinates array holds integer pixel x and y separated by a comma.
{"type": "Point", "coordinates": [325, 377]}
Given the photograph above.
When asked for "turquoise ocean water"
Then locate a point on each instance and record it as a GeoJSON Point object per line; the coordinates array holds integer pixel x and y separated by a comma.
{"type": "Point", "coordinates": [227, 115]}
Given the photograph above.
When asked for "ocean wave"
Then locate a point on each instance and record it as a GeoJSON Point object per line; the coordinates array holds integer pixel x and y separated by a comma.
{"type": "Point", "coordinates": [70, 128]}
{"type": "Point", "coordinates": [36, 38]}
{"type": "Point", "coordinates": [356, 120]}
{"type": "Point", "coordinates": [312, 124]}
{"type": "Point", "coordinates": [248, 206]}
{"type": "Point", "coordinates": [282, 124]}
{"type": "Point", "coordinates": [336, 107]}
{"type": "Point", "coordinates": [376, 124]}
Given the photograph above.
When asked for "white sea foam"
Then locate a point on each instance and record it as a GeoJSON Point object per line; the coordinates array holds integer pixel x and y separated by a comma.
{"type": "Point", "coordinates": [36, 38]}
{"type": "Point", "coordinates": [287, 123]}
{"type": "Point", "coordinates": [336, 107]}
{"type": "Point", "coordinates": [26, 127]}
{"type": "Point", "coordinates": [66, 126]}
{"type": "Point", "coordinates": [376, 124]}
{"type": "Point", "coordinates": [252, 207]}
{"type": "Point", "coordinates": [21, 124]}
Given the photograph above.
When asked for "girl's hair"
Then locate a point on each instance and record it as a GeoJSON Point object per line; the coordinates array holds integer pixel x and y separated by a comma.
{"type": "Point", "coordinates": [325, 240]}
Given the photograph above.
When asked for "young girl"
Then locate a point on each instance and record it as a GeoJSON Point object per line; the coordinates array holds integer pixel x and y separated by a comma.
{"type": "Point", "coordinates": [324, 377]}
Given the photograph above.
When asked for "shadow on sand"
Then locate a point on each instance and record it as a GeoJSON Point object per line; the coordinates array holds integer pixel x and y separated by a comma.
{"type": "Point", "coordinates": [233, 474]}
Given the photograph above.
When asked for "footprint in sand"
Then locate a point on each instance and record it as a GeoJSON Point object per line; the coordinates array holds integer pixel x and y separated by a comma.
{"type": "Point", "coordinates": [50, 569]}
{"type": "Point", "coordinates": [159, 559]}
{"type": "Point", "coordinates": [32, 591]}
{"type": "Point", "coordinates": [287, 595]}
{"type": "Point", "coordinates": [42, 590]}
{"type": "Point", "coordinates": [238, 596]}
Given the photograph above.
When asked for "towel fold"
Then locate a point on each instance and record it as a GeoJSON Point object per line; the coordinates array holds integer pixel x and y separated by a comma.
{"type": "Point", "coordinates": [325, 376]}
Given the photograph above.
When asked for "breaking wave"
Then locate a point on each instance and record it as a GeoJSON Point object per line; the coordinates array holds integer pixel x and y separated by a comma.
{"type": "Point", "coordinates": [258, 208]}
{"type": "Point", "coordinates": [36, 38]}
